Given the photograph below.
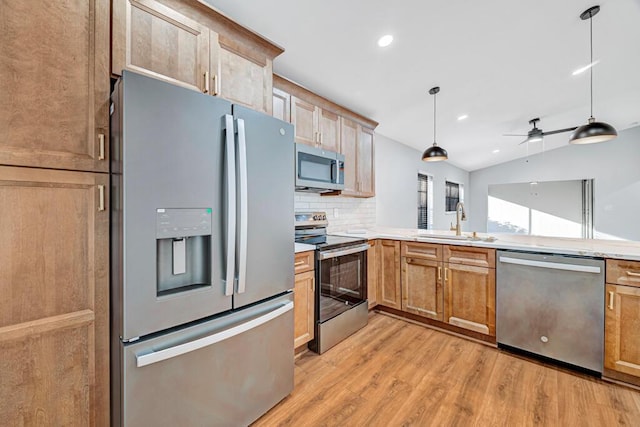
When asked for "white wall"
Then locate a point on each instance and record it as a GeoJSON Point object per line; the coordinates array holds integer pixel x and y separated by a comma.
{"type": "Point", "coordinates": [397, 167]}
{"type": "Point", "coordinates": [343, 213]}
{"type": "Point", "coordinates": [614, 166]}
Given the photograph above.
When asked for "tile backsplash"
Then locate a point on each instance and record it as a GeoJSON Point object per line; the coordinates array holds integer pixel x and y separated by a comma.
{"type": "Point", "coordinates": [343, 213]}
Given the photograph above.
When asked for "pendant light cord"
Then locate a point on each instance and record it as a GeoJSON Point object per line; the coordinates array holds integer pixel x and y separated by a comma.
{"type": "Point", "coordinates": [434, 117]}
{"type": "Point", "coordinates": [591, 68]}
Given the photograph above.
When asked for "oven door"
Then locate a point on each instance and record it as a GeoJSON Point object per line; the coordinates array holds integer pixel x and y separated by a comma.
{"type": "Point", "coordinates": [342, 275]}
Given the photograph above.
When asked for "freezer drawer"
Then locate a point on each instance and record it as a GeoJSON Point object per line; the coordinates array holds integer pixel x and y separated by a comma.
{"type": "Point", "coordinates": [226, 372]}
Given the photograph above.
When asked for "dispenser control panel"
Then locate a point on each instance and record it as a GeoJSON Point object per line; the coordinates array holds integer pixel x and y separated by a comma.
{"type": "Point", "coordinates": [177, 223]}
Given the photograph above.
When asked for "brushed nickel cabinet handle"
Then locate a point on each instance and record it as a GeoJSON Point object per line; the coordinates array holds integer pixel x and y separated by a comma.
{"type": "Point", "coordinates": [206, 82]}
{"type": "Point", "coordinates": [632, 274]}
{"type": "Point", "coordinates": [100, 197]}
{"type": "Point", "coordinates": [101, 146]}
{"type": "Point", "coordinates": [611, 297]}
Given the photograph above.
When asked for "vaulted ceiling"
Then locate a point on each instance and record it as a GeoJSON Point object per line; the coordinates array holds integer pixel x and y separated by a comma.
{"type": "Point", "coordinates": [501, 62]}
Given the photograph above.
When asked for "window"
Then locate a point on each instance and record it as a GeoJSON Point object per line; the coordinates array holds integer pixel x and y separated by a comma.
{"type": "Point", "coordinates": [425, 201]}
{"type": "Point", "coordinates": [452, 195]}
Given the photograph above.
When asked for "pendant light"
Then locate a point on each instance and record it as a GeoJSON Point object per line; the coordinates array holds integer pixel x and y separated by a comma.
{"type": "Point", "coordinates": [593, 131]}
{"type": "Point", "coordinates": [434, 153]}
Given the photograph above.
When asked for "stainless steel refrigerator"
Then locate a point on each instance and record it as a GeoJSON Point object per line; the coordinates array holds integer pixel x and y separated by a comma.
{"type": "Point", "coordinates": [202, 258]}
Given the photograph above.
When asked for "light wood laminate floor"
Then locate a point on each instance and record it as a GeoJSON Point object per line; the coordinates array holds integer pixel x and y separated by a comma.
{"type": "Point", "coordinates": [394, 373]}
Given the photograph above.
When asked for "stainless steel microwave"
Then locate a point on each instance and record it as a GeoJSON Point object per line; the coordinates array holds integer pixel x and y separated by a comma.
{"type": "Point", "coordinates": [318, 170]}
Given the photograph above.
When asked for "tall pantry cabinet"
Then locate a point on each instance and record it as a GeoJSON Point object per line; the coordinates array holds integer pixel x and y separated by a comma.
{"type": "Point", "coordinates": [54, 222]}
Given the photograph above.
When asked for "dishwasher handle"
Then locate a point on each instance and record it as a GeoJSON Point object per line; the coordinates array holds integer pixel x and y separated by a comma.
{"type": "Point", "coordinates": [551, 265]}
{"type": "Point", "coordinates": [178, 350]}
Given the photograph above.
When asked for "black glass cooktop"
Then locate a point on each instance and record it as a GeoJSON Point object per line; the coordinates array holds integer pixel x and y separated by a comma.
{"type": "Point", "coordinates": [328, 241]}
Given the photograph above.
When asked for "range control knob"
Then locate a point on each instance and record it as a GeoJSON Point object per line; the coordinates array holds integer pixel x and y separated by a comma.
{"type": "Point", "coordinates": [544, 339]}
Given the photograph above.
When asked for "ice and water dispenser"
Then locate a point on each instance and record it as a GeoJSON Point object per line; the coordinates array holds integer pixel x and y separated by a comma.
{"type": "Point", "coordinates": [183, 242]}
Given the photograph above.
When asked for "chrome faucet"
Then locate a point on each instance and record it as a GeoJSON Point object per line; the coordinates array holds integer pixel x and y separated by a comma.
{"type": "Point", "coordinates": [460, 216]}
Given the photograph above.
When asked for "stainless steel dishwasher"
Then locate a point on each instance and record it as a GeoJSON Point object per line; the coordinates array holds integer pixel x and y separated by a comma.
{"type": "Point", "coordinates": [551, 305]}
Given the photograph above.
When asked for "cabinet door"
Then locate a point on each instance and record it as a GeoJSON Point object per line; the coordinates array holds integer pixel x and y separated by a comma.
{"type": "Point", "coordinates": [349, 148]}
{"type": "Point", "coordinates": [470, 297]}
{"type": "Point", "coordinates": [329, 130]}
{"type": "Point", "coordinates": [389, 287]}
{"type": "Point", "coordinates": [366, 179]}
{"type": "Point", "coordinates": [244, 80]}
{"type": "Point", "coordinates": [54, 313]}
{"type": "Point", "coordinates": [422, 287]}
{"type": "Point", "coordinates": [304, 119]}
{"type": "Point", "coordinates": [55, 84]}
{"type": "Point", "coordinates": [622, 330]}
{"type": "Point", "coordinates": [373, 261]}
{"type": "Point", "coordinates": [281, 105]}
{"type": "Point", "coordinates": [303, 291]}
{"type": "Point", "coordinates": [155, 40]}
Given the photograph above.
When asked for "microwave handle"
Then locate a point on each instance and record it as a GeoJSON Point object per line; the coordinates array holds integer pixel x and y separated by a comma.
{"type": "Point", "coordinates": [335, 168]}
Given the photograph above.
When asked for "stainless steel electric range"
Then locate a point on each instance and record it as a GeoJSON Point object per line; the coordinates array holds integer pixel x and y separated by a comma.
{"type": "Point", "coordinates": [341, 306]}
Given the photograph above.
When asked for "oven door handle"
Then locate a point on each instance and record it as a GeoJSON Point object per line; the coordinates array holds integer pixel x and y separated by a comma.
{"type": "Point", "coordinates": [340, 252]}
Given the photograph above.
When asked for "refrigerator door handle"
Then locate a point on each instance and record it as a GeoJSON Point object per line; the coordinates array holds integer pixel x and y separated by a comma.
{"type": "Point", "coordinates": [230, 152]}
{"type": "Point", "coordinates": [244, 212]}
{"type": "Point", "coordinates": [179, 350]}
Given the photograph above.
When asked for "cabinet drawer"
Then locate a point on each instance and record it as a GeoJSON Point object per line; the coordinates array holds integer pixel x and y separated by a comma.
{"type": "Point", "coordinates": [303, 262]}
{"type": "Point", "coordinates": [422, 250]}
{"type": "Point", "coordinates": [466, 255]}
{"type": "Point", "coordinates": [623, 272]}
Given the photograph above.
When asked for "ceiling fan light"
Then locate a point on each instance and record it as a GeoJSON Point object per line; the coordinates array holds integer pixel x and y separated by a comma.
{"type": "Point", "coordinates": [592, 133]}
{"type": "Point", "coordinates": [535, 138]}
{"type": "Point", "coordinates": [435, 153]}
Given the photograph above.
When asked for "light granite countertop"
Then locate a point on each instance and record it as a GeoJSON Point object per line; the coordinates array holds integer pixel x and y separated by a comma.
{"type": "Point", "coordinates": [582, 247]}
{"type": "Point", "coordinates": [303, 247]}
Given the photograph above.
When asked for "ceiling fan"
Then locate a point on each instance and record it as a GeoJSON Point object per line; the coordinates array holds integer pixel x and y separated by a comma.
{"type": "Point", "coordinates": [536, 134]}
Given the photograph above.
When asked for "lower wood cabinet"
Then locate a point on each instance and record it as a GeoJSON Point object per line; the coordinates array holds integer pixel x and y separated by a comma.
{"type": "Point", "coordinates": [422, 287]}
{"type": "Point", "coordinates": [622, 330]}
{"type": "Point", "coordinates": [303, 299]}
{"type": "Point", "coordinates": [389, 290]}
{"type": "Point", "coordinates": [373, 272]}
{"type": "Point", "coordinates": [54, 309]}
{"type": "Point", "coordinates": [470, 297]}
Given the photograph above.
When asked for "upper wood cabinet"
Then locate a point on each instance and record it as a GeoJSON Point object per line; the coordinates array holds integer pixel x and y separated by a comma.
{"type": "Point", "coordinates": [304, 117]}
{"type": "Point", "coordinates": [349, 149]}
{"type": "Point", "coordinates": [188, 43]}
{"type": "Point", "coordinates": [389, 289]}
{"type": "Point", "coordinates": [54, 313]}
{"type": "Point", "coordinates": [315, 126]}
{"type": "Point", "coordinates": [321, 123]}
{"type": "Point", "coordinates": [281, 105]}
{"type": "Point", "coordinates": [151, 38]}
{"type": "Point", "coordinates": [55, 84]}
{"type": "Point", "coordinates": [365, 165]}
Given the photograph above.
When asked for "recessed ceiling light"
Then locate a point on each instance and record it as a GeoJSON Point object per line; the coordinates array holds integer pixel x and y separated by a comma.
{"type": "Point", "coordinates": [462, 117]}
{"type": "Point", "coordinates": [496, 151]}
{"type": "Point", "coordinates": [385, 41]}
{"type": "Point", "coordinates": [585, 68]}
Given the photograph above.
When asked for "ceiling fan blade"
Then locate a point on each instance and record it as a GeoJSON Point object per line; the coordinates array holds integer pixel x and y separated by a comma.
{"type": "Point", "coordinates": [551, 132]}
{"type": "Point", "coordinates": [526, 140]}
{"type": "Point", "coordinates": [514, 134]}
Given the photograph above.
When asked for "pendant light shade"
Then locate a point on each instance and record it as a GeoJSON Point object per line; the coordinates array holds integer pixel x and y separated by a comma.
{"type": "Point", "coordinates": [435, 153]}
{"type": "Point", "coordinates": [593, 131]}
